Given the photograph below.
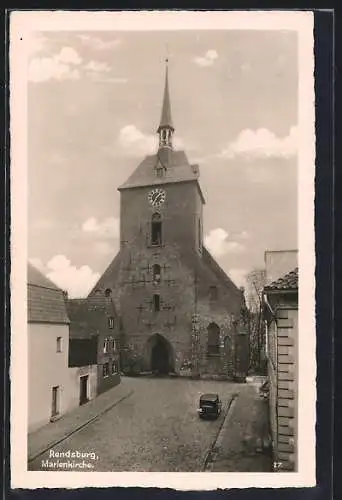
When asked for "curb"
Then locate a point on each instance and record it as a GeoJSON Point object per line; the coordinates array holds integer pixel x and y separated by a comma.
{"type": "Point", "coordinates": [78, 428]}
{"type": "Point", "coordinates": [211, 455]}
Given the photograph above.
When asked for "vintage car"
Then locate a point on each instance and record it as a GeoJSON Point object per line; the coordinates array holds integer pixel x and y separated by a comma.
{"type": "Point", "coordinates": [210, 406]}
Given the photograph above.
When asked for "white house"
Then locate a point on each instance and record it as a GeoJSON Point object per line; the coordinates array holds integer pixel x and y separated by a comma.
{"type": "Point", "coordinates": [53, 387]}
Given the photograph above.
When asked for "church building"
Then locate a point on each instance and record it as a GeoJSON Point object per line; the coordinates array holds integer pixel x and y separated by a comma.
{"type": "Point", "coordinates": [179, 312]}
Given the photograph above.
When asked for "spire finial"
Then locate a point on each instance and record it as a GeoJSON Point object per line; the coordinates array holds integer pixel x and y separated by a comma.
{"type": "Point", "coordinates": [166, 54]}
{"type": "Point", "coordinates": [166, 128]}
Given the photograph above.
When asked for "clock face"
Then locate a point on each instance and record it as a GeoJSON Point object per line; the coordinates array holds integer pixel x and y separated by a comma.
{"type": "Point", "coordinates": [156, 197]}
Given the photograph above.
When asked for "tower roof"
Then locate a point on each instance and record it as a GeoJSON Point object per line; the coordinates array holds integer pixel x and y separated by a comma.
{"type": "Point", "coordinates": [166, 118]}
{"type": "Point", "coordinates": [180, 170]}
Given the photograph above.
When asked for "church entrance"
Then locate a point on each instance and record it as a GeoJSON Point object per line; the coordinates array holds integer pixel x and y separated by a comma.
{"type": "Point", "coordinates": [160, 355]}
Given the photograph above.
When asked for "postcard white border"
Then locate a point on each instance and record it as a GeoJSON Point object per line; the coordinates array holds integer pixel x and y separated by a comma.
{"type": "Point", "coordinates": [21, 25]}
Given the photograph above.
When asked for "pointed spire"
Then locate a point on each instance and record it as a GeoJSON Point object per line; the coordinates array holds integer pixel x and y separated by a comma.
{"type": "Point", "coordinates": [166, 128]}
{"type": "Point", "coordinates": [166, 118]}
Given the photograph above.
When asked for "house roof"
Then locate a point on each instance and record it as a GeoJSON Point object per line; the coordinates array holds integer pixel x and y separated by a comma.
{"type": "Point", "coordinates": [37, 278]}
{"type": "Point", "coordinates": [45, 301]}
{"type": "Point", "coordinates": [287, 282]}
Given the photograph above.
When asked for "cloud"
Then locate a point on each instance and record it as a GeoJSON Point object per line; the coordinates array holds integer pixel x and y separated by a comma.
{"type": "Point", "coordinates": [61, 66]}
{"type": "Point", "coordinates": [218, 243]}
{"type": "Point", "coordinates": [77, 281]}
{"type": "Point", "coordinates": [68, 55]}
{"type": "Point", "coordinates": [116, 79]}
{"type": "Point", "coordinates": [137, 143]}
{"type": "Point", "coordinates": [243, 235]}
{"type": "Point", "coordinates": [130, 137]}
{"type": "Point", "coordinates": [238, 275]}
{"type": "Point", "coordinates": [97, 67]}
{"type": "Point", "coordinates": [107, 229]}
{"type": "Point", "coordinates": [208, 59]}
{"type": "Point", "coordinates": [99, 72]}
{"type": "Point", "coordinates": [97, 43]}
{"type": "Point", "coordinates": [262, 143]}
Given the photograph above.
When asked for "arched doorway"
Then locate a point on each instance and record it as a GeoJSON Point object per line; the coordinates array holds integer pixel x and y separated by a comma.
{"type": "Point", "coordinates": [159, 354]}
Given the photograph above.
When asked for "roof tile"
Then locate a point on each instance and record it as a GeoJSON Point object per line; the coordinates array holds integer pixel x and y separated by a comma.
{"type": "Point", "coordinates": [45, 301]}
{"type": "Point", "coordinates": [287, 282]}
{"type": "Point", "coordinates": [46, 305]}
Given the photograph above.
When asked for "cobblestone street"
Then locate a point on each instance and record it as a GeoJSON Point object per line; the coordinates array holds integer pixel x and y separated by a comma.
{"type": "Point", "coordinates": [155, 429]}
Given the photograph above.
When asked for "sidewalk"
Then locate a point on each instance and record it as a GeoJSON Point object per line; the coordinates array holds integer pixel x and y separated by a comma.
{"type": "Point", "coordinates": [54, 432]}
{"type": "Point", "coordinates": [243, 443]}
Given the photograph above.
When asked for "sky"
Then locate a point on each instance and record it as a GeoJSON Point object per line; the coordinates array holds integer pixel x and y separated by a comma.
{"type": "Point", "coordinates": [94, 103]}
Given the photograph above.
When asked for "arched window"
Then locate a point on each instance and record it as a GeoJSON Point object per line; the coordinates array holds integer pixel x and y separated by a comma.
{"type": "Point", "coordinates": [156, 230]}
{"type": "Point", "coordinates": [156, 302]}
{"type": "Point", "coordinates": [108, 292]}
{"type": "Point", "coordinates": [156, 273]}
{"type": "Point", "coordinates": [213, 346]}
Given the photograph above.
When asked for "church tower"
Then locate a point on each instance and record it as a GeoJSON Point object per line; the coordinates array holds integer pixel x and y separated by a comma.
{"type": "Point", "coordinates": [178, 308]}
{"type": "Point", "coordinates": [167, 206]}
